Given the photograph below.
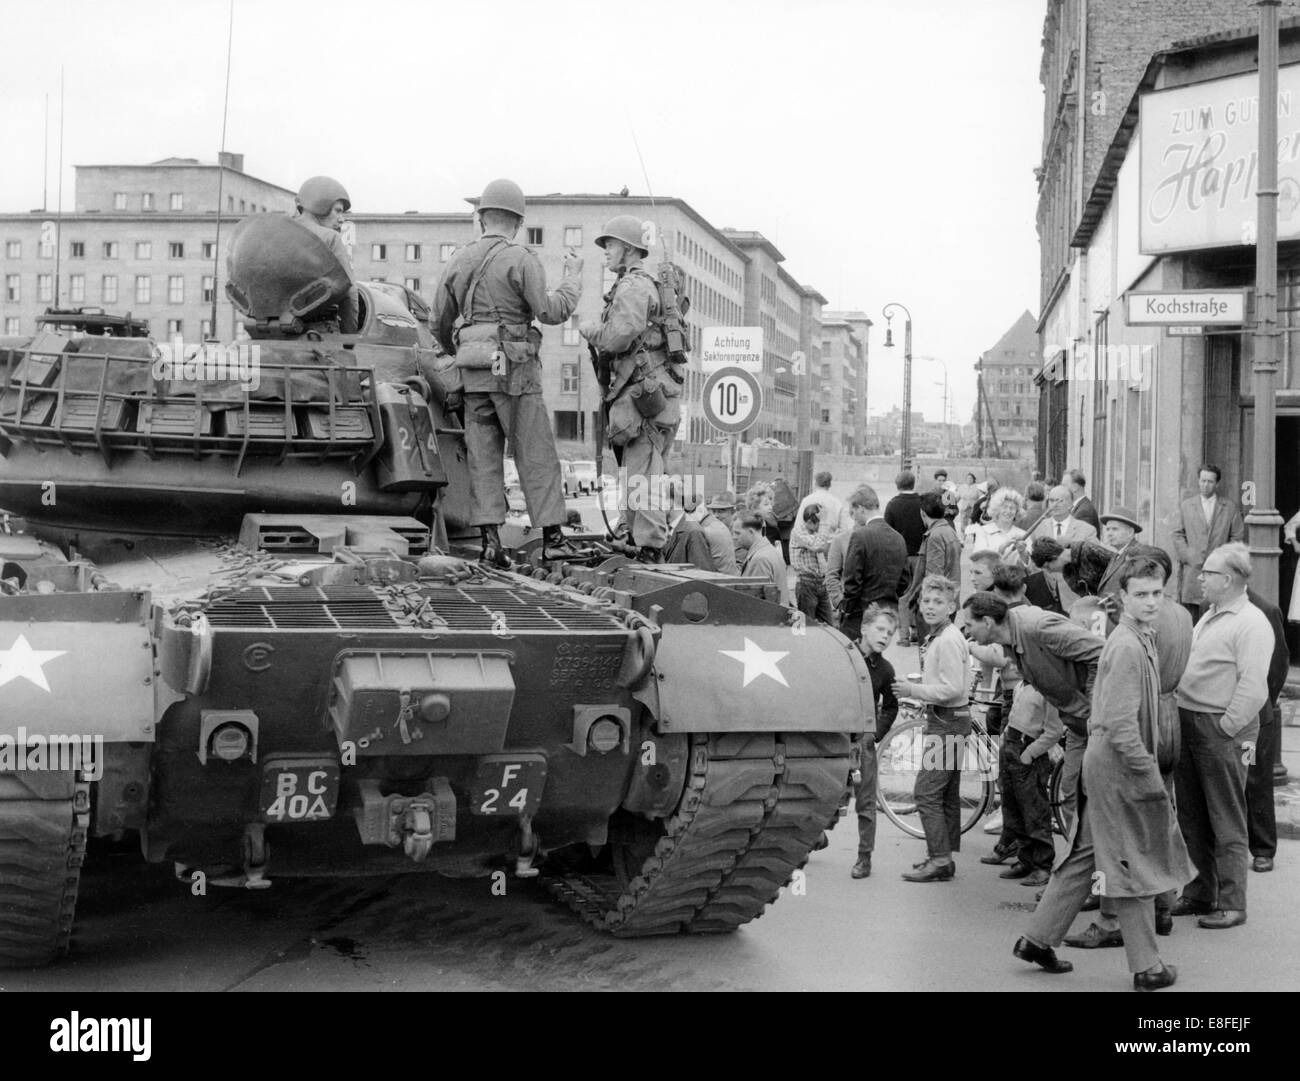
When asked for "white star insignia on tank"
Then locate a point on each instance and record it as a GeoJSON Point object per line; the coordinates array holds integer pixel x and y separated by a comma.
{"type": "Point", "coordinates": [23, 662]}
{"type": "Point", "coordinates": [758, 662]}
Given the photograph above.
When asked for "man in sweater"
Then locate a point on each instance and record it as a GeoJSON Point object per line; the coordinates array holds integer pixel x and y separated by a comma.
{"type": "Point", "coordinates": [1220, 695]}
{"type": "Point", "coordinates": [878, 625]}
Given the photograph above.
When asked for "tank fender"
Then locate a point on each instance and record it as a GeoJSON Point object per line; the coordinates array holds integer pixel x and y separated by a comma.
{"type": "Point", "coordinates": [747, 678]}
{"type": "Point", "coordinates": [77, 664]}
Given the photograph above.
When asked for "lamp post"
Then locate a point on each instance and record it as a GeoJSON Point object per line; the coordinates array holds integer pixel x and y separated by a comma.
{"type": "Point", "coordinates": [905, 437]}
{"type": "Point", "coordinates": [947, 436]}
{"type": "Point", "coordinates": [1263, 520]}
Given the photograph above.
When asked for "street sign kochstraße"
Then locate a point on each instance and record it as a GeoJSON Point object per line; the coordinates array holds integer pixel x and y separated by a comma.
{"type": "Point", "coordinates": [1201, 307]}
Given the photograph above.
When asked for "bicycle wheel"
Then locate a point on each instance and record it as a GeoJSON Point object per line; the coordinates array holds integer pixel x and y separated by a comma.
{"type": "Point", "coordinates": [899, 759]}
{"type": "Point", "coordinates": [1055, 798]}
{"type": "Point", "coordinates": [978, 776]}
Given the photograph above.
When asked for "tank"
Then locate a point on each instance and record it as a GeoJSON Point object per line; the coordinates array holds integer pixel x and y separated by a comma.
{"type": "Point", "coordinates": [236, 623]}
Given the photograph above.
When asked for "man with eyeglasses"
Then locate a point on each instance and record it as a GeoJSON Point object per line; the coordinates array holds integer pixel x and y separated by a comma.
{"type": "Point", "coordinates": [1219, 698]}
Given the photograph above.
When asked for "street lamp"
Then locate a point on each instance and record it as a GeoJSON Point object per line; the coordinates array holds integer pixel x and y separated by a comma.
{"type": "Point", "coordinates": [905, 447]}
{"type": "Point", "coordinates": [946, 434]}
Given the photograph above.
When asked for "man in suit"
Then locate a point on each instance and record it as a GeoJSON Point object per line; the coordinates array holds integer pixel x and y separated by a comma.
{"type": "Point", "coordinates": [763, 559]}
{"type": "Point", "coordinates": [1058, 523]}
{"type": "Point", "coordinates": [1205, 521]}
{"type": "Point", "coordinates": [1043, 590]}
{"type": "Point", "coordinates": [687, 542]}
{"type": "Point", "coordinates": [875, 566]}
{"type": "Point", "coordinates": [1121, 528]}
{"type": "Point", "coordinates": [1080, 505]}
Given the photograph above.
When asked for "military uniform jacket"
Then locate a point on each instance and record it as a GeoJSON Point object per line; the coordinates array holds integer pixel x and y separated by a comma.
{"type": "Point", "coordinates": [630, 318]}
{"type": "Point", "coordinates": [511, 291]}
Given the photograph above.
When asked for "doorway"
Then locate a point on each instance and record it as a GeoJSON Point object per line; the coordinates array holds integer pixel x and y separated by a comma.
{"type": "Point", "coordinates": [1286, 452]}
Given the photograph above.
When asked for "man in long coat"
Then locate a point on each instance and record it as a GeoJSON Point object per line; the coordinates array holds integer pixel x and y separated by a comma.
{"type": "Point", "coordinates": [1125, 842]}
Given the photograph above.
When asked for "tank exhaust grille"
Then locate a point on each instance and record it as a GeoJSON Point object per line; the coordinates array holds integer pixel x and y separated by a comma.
{"type": "Point", "coordinates": [465, 608]}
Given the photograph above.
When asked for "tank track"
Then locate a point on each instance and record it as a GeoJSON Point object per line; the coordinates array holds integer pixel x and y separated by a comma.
{"type": "Point", "coordinates": [44, 819]}
{"type": "Point", "coordinates": [752, 810]}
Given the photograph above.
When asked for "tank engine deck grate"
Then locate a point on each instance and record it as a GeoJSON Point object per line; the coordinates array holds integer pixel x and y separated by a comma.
{"type": "Point", "coordinates": [467, 608]}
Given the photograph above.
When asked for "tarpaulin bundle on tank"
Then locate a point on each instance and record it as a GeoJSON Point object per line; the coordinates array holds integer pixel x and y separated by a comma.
{"type": "Point", "coordinates": [141, 367]}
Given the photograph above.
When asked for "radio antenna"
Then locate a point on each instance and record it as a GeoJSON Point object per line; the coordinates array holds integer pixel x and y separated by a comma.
{"type": "Point", "coordinates": [221, 174]}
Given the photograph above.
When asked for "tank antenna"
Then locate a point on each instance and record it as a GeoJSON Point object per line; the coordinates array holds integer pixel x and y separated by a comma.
{"type": "Point", "coordinates": [221, 174]}
{"type": "Point", "coordinates": [650, 191]}
{"type": "Point", "coordinates": [58, 217]}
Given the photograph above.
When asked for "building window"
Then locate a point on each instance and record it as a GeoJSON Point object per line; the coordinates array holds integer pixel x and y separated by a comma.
{"type": "Point", "coordinates": [446, 251]}
{"type": "Point", "coordinates": [175, 289]}
{"type": "Point", "coordinates": [146, 200]}
{"type": "Point", "coordinates": [46, 249]}
{"type": "Point", "coordinates": [571, 331]}
{"type": "Point", "coordinates": [413, 253]}
{"type": "Point", "coordinates": [13, 287]}
{"type": "Point", "coordinates": [45, 287]}
{"type": "Point", "coordinates": [243, 207]}
{"type": "Point", "coordinates": [205, 329]}
{"type": "Point", "coordinates": [209, 249]}
{"type": "Point", "coordinates": [379, 252]}
{"type": "Point", "coordinates": [568, 379]}
{"type": "Point", "coordinates": [77, 249]}
{"type": "Point", "coordinates": [143, 288]}
{"type": "Point", "coordinates": [413, 284]}
{"type": "Point", "coordinates": [13, 249]}
{"type": "Point", "coordinates": [209, 288]}
{"type": "Point", "coordinates": [177, 201]}
{"type": "Point", "coordinates": [573, 237]}
{"type": "Point", "coordinates": [108, 289]}
{"type": "Point", "coordinates": [110, 249]}
{"type": "Point", "coordinates": [230, 204]}
{"type": "Point", "coordinates": [11, 326]}
{"type": "Point", "coordinates": [119, 200]}
{"type": "Point", "coordinates": [144, 249]}
{"type": "Point", "coordinates": [173, 327]}
{"type": "Point", "coordinates": [535, 235]}
{"type": "Point", "coordinates": [176, 250]}
{"type": "Point", "coordinates": [77, 287]}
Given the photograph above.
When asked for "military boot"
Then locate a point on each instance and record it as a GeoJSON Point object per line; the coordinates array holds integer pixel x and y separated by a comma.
{"type": "Point", "coordinates": [556, 546]}
{"type": "Point", "coordinates": [493, 554]}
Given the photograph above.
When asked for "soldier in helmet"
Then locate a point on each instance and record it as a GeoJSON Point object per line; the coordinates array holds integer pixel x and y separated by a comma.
{"type": "Point", "coordinates": [644, 396]}
{"type": "Point", "coordinates": [483, 314]}
{"type": "Point", "coordinates": [322, 201]}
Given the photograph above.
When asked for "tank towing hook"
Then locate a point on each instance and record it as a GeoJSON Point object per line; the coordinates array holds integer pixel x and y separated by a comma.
{"type": "Point", "coordinates": [256, 860]}
{"type": "Point", "coordinates": [529, 849]}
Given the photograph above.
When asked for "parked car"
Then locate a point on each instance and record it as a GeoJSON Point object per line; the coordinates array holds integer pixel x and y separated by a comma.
{"type": "Point", "coordinates": [584, 476]}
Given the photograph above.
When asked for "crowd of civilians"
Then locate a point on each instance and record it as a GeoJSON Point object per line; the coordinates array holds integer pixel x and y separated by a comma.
{"type": "Point", "coordinates": [1153, 675]}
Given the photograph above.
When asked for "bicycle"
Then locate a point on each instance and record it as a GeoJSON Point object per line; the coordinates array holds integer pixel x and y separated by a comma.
{"type": "Point", "coordinates": [899, 758]}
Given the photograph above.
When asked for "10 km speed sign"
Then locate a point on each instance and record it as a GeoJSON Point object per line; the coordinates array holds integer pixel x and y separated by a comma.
{"type": "Point", "coordinates": [732, 399]}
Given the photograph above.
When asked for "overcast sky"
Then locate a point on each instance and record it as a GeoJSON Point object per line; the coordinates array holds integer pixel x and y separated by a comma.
{"type": "Point", "coordinates": [886, 147]}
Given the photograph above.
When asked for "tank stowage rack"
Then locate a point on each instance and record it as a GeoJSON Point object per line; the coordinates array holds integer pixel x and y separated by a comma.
{"type": "Point", "coordinates": [97, 401]}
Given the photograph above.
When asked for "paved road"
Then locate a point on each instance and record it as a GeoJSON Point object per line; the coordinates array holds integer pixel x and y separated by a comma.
{"type": "Point", "coordinates": [139, 929]}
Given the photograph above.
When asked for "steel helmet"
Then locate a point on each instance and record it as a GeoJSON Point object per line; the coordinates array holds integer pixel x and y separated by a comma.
{"type": "Point", "coordinates": [318, 194]}
{"type": "Point", "coordinates": [503, 195]}
{"type": "Point", "coordinates": [628, 228]}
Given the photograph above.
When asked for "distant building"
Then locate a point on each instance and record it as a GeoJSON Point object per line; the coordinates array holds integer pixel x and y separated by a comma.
{"type": "Point", "coordinates": [839, 384]}
{"type": "Point", "coordinates": [142, 239]}
{"type": "Point", "coordinates": [1006, 374]}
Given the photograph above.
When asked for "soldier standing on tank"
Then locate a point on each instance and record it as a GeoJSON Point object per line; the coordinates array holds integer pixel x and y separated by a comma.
{"type": "Point", "coordinates": [322, 201]}
{"type": "Point", "coordinates": [483, 310]}
{"type": "Point", "coordinates": [643, 399]}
